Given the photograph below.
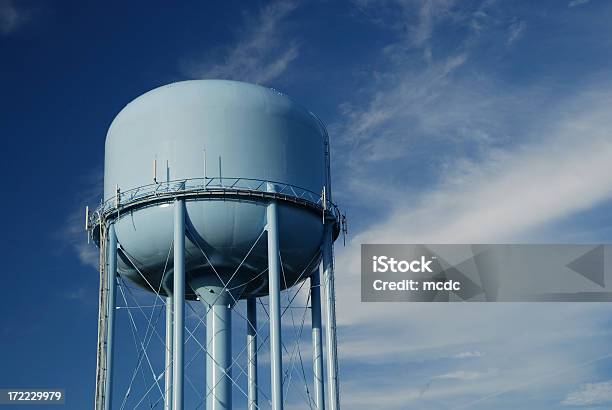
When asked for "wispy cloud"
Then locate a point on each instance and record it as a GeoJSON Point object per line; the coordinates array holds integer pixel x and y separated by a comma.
{"type": "Point", "coordinates": [510, 191]}
{"type": "Point", "coordinates": [590, 394]}
{"type": "Point", "coordinates": [73, 232]}
{"type": "Point", "coordinates": [546, 346]}
{"type": "Point", "coordinates": [461, 375]}
{"type": "Point", "coordinates": [454, 376]}
{"type": "Point", "coordinates": [468, 355]}
{"type": "Point", "coordinates": [11, 17]}
{"type": "Point", "coordinates": [515, 32]}
{"type": "Point", "coordinates": [456, 155]}
{"type": "Point", "coordinates": [430, 11]}
{"type": "Point", "coordinates": [471, 122]}
{"type": "Point", "coordinates": [417, 18]}
{"type": "Point", "coordinates": [416, 105]}
{"type": "Point", "coordinates": [497, 191]}
{"type": "Point", "coordinates": [261, 54]}
{"type": "Point", "coordinates": [374, 128]}
{"type": "Point", "coordinates": [79, 294]}
{"type": "Point", "coordinates": [575, 3]}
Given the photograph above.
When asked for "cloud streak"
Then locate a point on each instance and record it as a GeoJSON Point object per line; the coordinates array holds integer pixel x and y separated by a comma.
{"type": "Point", "coordinates": [516, 32]}
{"type": "Point", "coordinates": [261, 54]}
{"type": "Point", "coordinates": [468, 355]}
{"type": "Point", "coordinates": [575, 3]}
{"type": "Point", "coordinates": [11, 17]}
{"type": "Point", "coordinates": [73, 232]}
{"type": "Point", "coordinates": [509, 192]}
{"type": "Point", "coordinates": [590, 394]}
{"type": "Point", "coordinates": [454, 154]}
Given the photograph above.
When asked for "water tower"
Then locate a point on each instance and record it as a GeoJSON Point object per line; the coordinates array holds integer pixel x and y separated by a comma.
{"type": "Point", "coordinates": [214, 192]}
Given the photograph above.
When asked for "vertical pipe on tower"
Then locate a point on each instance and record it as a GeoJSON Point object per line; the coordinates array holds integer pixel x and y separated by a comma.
{"type": "Point", "coordinates": [330, 293]}
{"type": "Point", "coordinates": [274, 273]}
{"type": "Point", "coordinates": [179, 304]}
{"type": "Point", "coordinates": [110, 312]}
{"type": "Point", "coordinates": [252, 353]}
{"type": "Point", "coordinates": [317, 339]}
{"type": "Point", "coordinates": [219, 357]}
{"type": "Point", "coordinates": [169, 353]}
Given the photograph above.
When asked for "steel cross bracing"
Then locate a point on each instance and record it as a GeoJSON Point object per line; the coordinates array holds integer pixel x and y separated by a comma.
{"type": "Point", "coordinates": [142, 342]}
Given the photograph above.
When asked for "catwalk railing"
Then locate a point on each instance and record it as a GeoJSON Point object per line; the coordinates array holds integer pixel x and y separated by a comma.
{"type": "Point", "coordinates": [215, 187]}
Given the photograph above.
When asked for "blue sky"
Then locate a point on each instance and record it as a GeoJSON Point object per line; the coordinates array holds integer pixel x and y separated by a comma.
{"type": "Point", "coordinates": [451, 121]}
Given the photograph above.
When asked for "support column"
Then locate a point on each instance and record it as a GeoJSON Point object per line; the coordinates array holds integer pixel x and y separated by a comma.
{"type": "Point", "coordinates": [169, 353]}
{"type": "Point", "coordinates": [219, 357]}
{"type": "Point", "coordinates": [110, 312]}
{"type": "Point", "coordinates": [317, 339]}
{"type": "Point", "coordinates": [274, 272]}
{"type": "Point", "coordinates": [330, 293]}
{"type": "Point", "coordinates": [179, 304]}
{"type": "Point", "coordinates": [252, 353]}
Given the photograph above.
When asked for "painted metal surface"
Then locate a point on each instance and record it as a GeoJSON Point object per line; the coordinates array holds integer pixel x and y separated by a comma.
{"type": "Point", "coordinates": [178, 367]}
{"type": "Point", "coordinates": [169, 353]}
{"type": "Point", "coordinates": [110, 324]}
{"type": "Point", "coordinates": [224, 130]}
{"type": "Point", "coordinates": [252, 399]}
{"type": "Point", "coordinates": [102, 323]}
{"type": "Point", "coordinates": [317, 340]}
{"type": "Point", "coordinates": [274, 279]}
{"type": "Point", "coordinates": [196, 134]}
{"type": "Point", "coordinates": [333, 386]}
{"type": "Point", "coordinates": [219, 357]}
{"type": "Point", "coordinates": [214, 128]}
{"type": "Point", "coordinates": [146, 235]}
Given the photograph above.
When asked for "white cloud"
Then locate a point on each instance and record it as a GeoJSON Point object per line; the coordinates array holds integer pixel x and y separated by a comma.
{"type": "Point", "coordinates": [509, 192]}
{"type": "Point", "coordinates": [501, 197]}
{"type": "Point", "coordinates": [575, 3]}
{"type": "Point", "coordinates": [469, 354]}
{"type": "Point", "coordinates": [377, 131]}
{"type": "Point", "coordinates": [73, 232]}
{"type": "Point", "coordinates": [493, 155]}
{"type": "Point", "coordinates": [461, 375]}
{"type": "Point", "coordinates": [429, 12]}
{"type": "Point", "coordinates": [417, 18]}
{"type": "Point", "coordinates": [11, 18]}
{"type": "Point", "coordinates": [534, 379]}
{"type": "Point", "coordinates": [262, 53]}
{"type": "Point", "coordinates": [80, 294]}
{"type": "Point", "coordinates": [531, 347]}
{"type": "Point", "coordinates": [516, 32]}
{"type": "Point", "coordinates": [501, 162]}
{"type": "Point", "coordinates": [590, 394]}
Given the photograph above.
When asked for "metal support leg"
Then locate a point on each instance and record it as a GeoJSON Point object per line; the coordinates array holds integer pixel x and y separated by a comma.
{"type": "Point", "coordinates": [110, 321]}
{"type": "Point", "coordinates": [219, 357]}
{"type": "Point", "coordinates": [317, 340]}
{"type": "Point", "coordinates": [179, 304]}
{"type": "Point", "coordinates": [276, 354]}
{"type": "Point", "coordinates": [330, 293]}
{"type": "Point", "coordinates": [169, 353]}
{"type": "Point", "coordinates": [252, 353]}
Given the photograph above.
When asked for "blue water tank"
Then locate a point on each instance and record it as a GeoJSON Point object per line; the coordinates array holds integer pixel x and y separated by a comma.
{"type": "Point", "coordinates": [216, 132]}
